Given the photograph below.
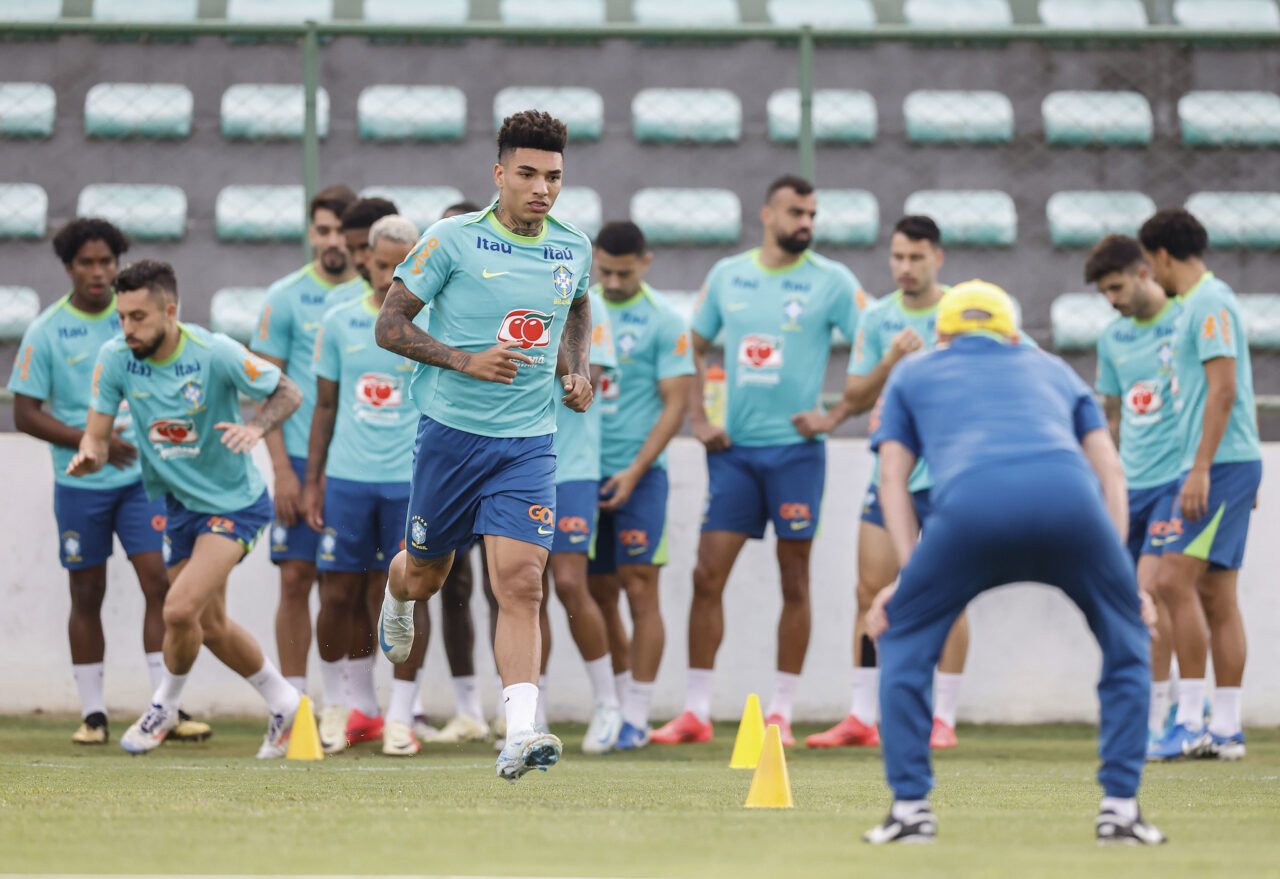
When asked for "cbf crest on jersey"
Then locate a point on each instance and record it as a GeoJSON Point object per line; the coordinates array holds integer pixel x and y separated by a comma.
{"type": "Point", "coordinates": [562, 278]}
{"type": "Point", "coordinates": [193, 396]}
{"type": "Point", "coordinates": [793, 310]}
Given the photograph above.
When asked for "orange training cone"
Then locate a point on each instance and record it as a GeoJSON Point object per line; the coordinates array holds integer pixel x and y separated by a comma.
{"type": "Point", "coordinates": [304, 741]}
{"type": "Point", "coordinates": [771, 786]}
{"type": "Point", "coordinates": [746, 747]}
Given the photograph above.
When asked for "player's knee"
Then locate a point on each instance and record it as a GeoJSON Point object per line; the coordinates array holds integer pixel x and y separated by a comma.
{"type": "Point", "coordinates": [180, 612]}
{"type": "Point", "coordinates": [795, 590]}
{"type": "Point", "coordinates": [708, 582]}
{"type": "Point", "coordinates": [520, 585]}
{"type": "Point", "coordinates": [87, 593]}
{"type": "Point", "coordinates": [295, 582]}
{"type": "Point", "coordinates": [572, 592]}
{"type": "Point", "coordinates": [866, 593]}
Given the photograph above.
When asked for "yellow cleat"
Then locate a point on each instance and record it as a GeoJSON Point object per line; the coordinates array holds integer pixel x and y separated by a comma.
{"type": "Point", "coordinates": [92, 731]}
{"type": "Point", "coordinates": [189, 729]}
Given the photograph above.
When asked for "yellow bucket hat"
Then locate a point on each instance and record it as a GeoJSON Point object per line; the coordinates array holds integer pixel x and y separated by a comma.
{"type": "Point", "coordinates": [975, 306]}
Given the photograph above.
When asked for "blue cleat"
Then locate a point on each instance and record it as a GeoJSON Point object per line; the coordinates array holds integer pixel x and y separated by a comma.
{"type": "Point", "coordinates": [534, 751]}
{"type": "Point", "coordinates": [631, 738]}
{"type": "Point", "coordinates": [1224, 747]}
{"type": "Point", "coordinates": [1179, 742]}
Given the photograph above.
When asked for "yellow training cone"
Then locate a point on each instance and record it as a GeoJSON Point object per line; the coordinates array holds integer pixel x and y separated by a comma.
{"type": "Point", "coordinates": [746, 747]}
{"type": "Point", "coordinates": [771, 786]}
{"type": "Point", "coordinates": [304, 741]}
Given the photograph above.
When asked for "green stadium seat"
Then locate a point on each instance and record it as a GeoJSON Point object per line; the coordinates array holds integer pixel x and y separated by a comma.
{"type": "Point", "coordinates": [24, 210]}
{"type": "Point", "coordinates": [260, 213]}
{"type": "Point", "coordinates": [118, 109]}
{"type": "Point", "coordinates": [839, 116]}
{"type": "Point", "coordinates": [957, 14]}
{"type": "Point", "coordinates": [681, 13]}
{"type": "Point", "coordinates": [421, 204]}
{"type": "Point", "coordinates": [958, 117]}
{"type": "Point", "coordinates": [1079, 219]}
{"type": "Point", "coordinates": [400, 12]}
{"type": "Point", "coordinates": [1217, 118]}
{"type": "Point", "coordinates": [412, 112]}
{"type": "Point", "coordinates": [27, 109]}
{"type": "Point", "coordinates": [270, 112]}
{"type": "Point", "coordinates": [976, 217]}
{"type": "Point", "coordinates": [687, 115]}
{"type": "Point", "coordinates": [1239, 219]}
{"type": "Point", "coordinates": [552, 13]}
{"type": "Point", "coordinates": [19, 306]}
{"type": "Point", "coordinates": [145, 10]}
{"type": "Point", "coordinates": [1074, 118]}
{"type": "Point", "coordinates": [1078, 319]}
{"type": "Point", "coordinates": [1226, 14]}
{"type": "Point", "coordinates": [148, 212]}
{"type": "Point", "coordinates": [581, 109]}
{"type": "Point", "coordinates": [688, 216]}
{"type": "Point", "coordinates": [1093, 14]}
{"type": "Point", "coordinates": [581, 207]}
{"type": "Point", "coordinates": [288, 11]}
{"type": "Point", "coordinates": [822, 13]}
{"type": "Point", "coordinates": [847, 218]}
{"type": "Point", "coordinates": [236, 311]}
{"type": "Point", "coordinates": [1261, 315]}
{"type": "Point", "coordinates": [30, 10]}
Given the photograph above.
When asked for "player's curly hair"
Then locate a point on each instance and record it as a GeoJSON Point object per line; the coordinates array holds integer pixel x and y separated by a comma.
{"type": "Point", "coordinates": [151, 275]}
{"type": "Point", "coordinates": [1177, 231]}
{"type": "Point", "coordinates": [364, 212]}
{"type": "Point", "coordinates": [76, 234]}
{"type": "Point", "coordinates": [534, 130]}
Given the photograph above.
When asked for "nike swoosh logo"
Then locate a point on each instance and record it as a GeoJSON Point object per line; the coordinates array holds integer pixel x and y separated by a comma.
{"type": "Point", "coordinates": [486, 274]}
{"type": "Point", "coordinates": [352, 349]}
{"type": "Point", "coordinates": [738, 306]}
{"type": "Point", "coordinates": [72, 361]}
{"type": "Point", "coordinates": [799, 526]}
{"type": "Point", "coordinates": [636, 550]}
{"type": "Point", "coordinates": [1161, 541]}
{"type": "Point", "coordinates": [382, 639]}
{"type": "Point", "coordinates": [545, 529]}
{"type": "Point", "coordinates": [577, 538]}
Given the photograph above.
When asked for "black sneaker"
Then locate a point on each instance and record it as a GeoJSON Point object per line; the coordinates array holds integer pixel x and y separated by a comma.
{"type": "Point", "coordinates": [921, 826]}
{"type": "Point", "coordinates": [1115, 830]}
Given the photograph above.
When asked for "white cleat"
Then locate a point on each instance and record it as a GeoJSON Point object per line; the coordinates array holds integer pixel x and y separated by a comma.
{"type": "Point", "coordinates": [463, 728]}
{"type": "Point", "coordinates": [602, 733]}
{"type": "Point", "coordinates": [333, 728]}
{"type": "Point", "coordinates": [398, 740]}
{"type": "Point", "coordinates": [535, 751]}
{"type": "Point", "coordinates": [150, 730]}
{"type": "Point", "coordinates": [275, 744]}
{"type": "Point", "coordinates": [424, 731]}
{"type": "Point", "coordinates": [395, 632]}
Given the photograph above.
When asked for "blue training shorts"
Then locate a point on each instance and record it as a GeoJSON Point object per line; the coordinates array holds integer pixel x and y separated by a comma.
{"type": "Point", "coordinates": [88, 517]}
{"type": "Point", "coordinates": [576, 508]}
{"type": "Point", "coordinates": [636, 532]}
{"type": "Point", "coordinates": [749, 487]}
{"type": "Point", "coordinates": [300, 542]}
{"type": "Point", "coordinates": [1219, 537]}
{"type": "Point", "coordinates": [1150, 525]}
{"type": "Point", "coordinates": [185, 526]}
{"type": "Point", "coordinates": [363, 525]}
{"type": "Point", "coordinates": [873, 514]}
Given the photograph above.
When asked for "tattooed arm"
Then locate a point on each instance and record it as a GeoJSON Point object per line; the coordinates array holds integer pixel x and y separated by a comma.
{"type": "Point", "coordinates": [573, 359]}
{"type": "Point", "coordinates": [274, 411]}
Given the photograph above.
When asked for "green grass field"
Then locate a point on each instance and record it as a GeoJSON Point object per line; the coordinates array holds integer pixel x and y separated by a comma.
{"type": "Point", "coordinates": [1015, 801]}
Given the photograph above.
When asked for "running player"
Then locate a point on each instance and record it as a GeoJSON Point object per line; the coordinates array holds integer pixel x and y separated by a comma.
{"type": "Point", "coordinates": [182, 382]}
{"type": "Point", "coordinates": [513, 274]}
{"type": "Point", "coordinates": [1003, 428]}
{"type": "Point", "coordinates": [54, 365]}
{"type": "Point", "coordinates": [1135, 369]}
{"type": "Point", "coordinates": [1221, 468]}
{"type": "Point", "coordinates": [777, 306]}
{"type": "Point", "coordinates": [643, 403]}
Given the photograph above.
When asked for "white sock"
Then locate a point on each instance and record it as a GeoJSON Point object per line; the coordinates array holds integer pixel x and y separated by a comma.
{"type": "Point", "coordinates": [784, 693]}
{"type": "Point", "coordinates": [466, 697]}
{"type": "Point", "coordinates": [155, 668]}
{"type": "Point", "coordinates": [600, 673]}
{"type": "Point", "coordinates": [1191, 703]}
{"type": "Point", "coordinates": [418, 709]}
{"type": "Point", "coordinates": [698, 694]}
{"type": "Point", "coordinates": [520, 702]}
{"type": "Point", "coordinates": [621, 682]}
{"type": "Point", "coordinates": [540, 715]}
{"type": "Point", "coordinates": [946, 695]}
{"type": "Point", "coordinates": [401, 707]}
{"type": "Point", "coordinates": [333, 681]}
{"type": "Point", "coordinates": [298, 682]}
{"type": "Point", "coordinates": [1226, 711]}
{"type": "Point", "coordinates": [169, 693]}
{"type": "Point", "coordinates": [361, 694]}
{"type": "Point", "coordinates": [1125, 807]}
{"type": "Point", "coordinates": [89, 682]}
{"type": "Point", "coordinates": [906, 808]}
{"type": "Point", "coordinates": [395, 605]}
{"type": "Point", "coordinates": [635, 704]}
{"type": "Point", "coordinates": [1161, 697]}
{"type": "Point", "coordinates": [866, 693]}
{"type": "Point", "coordinates": [280, 695]}
{"type": "Point", "coordinates": [502, 698]}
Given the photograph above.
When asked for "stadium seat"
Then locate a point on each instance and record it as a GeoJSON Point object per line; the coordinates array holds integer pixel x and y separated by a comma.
{"type": "Point", "coordinates": [687, 115]}
{"type": "Point", "coordinates": [145, 10]}
{"type": "Point", "coordinates": [1093, 14]}
{"type": "Point", "coordinates": [260, 213]}
{"type": "Point", "coordinates": [580, 206]}
{"type": "Point", "coordinates": [1074, 118]}
{"type": "Point", "coordinates": [551, 13]}
{"type": "Point", "coordinates": [977, 217]}
{"type": "Point", "coordinates": [1239, 219]}
{"type": "Point", "coordinates": [1078, 319]}
{"type": "Point", "coordinates": [236, 310]}
{"type": "Point", "coordinates": [683, 303]}
{"type": "Point", "coordinates": [688, 216]}
{"type": "Point", "coordinates": [958, 117]}
{"type": "Point", "coordinates": [145, 211]}
{"type": "Point", "coordinates": [681, 13]}
{"type": "Point", "coordinates": [822, 13]}
{"type": "Point", "coordinates": [290, 11]}
{"type": "Point", "coordinates": [24, 210]}
{"type": "Point", "coordinates": [421, 204]}
{"type": "Point", "coordinates": [400, 12]}
{"type": "Point", "coordinates": [1215, 118]}
{"type": "Point", "coordinates": [839, 116]}
{"type": "Point", "coordinates": [1261, 315]}
{"type": "Point", "coordinates": [1226, 14]}
{"type": "Point", "coordinates": [1079, 219]}
{"type": "Point", "coordinates": [19, 306]}
{"type": "Point", "coordinates": [30, 10]}
{"type": "Point", "coordinates": [957, 13]}
{"type": "Point", "coordinates": [27, 109]}
{"type": "Point", "coordinates": [262, 112]}
{"type": "Point", "coordinates": [119, 109]}
{"type": "Point", "coordinates": [581, 109]}
{"type": "Point", "coordinates": [412, 112]}
{"type": "Point", "coordinates": [847, 218]}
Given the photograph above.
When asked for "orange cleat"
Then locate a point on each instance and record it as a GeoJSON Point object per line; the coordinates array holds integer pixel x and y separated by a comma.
{"type": "Point", "coordinates": [684, 730]}
{"type": "Point", "coordinates": [848, 733]}
{"type": "Point", "coordinates": [784, 729]}
{"type": "Point", "coordinates": [363, 728]}
{"type": "Point", "coordinates": [943, 735]}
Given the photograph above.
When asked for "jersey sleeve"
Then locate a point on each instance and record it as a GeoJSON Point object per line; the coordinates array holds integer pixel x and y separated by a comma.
{"type": "Point", "coordinates": [845, 310]}
{"type": "Point", "coordinates": [867, 350]}
{"type": "Point", "coordinates": [428, 266]}
{"type": "Point", "coordinates": [251, 376]}
{"type": "Point", "coordinates": [107, 391]}
{"type": "Point", "coordinates": [707, 319]}
{"type": "Point", "coordinates": [1216, 330]}
{"type": "Point", "coordinates": [1108, 382]}
{"type": "Point", "coordinates": [602, 350]}
{"type": "Point", "coordinates": [328, 356]}
{"type": "Point", "coordinates": [32, 373]}
{"type": "Point", "coordinates": [675, 357]}
{"type": "Point", "coordinates": [1086, 415]}
{"type": "Point", "coordinates": [274, 337]}
{"type": "Point", "coordinates": [896, 420]}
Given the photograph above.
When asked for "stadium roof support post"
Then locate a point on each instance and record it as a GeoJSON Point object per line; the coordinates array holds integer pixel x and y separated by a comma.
{"type": "Point", "coordinates": [805, 142]}
{"type": "Point", "coordinates": [310, 126]}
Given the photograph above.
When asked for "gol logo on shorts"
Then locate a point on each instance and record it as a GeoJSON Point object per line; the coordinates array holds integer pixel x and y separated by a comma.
{"type": "Point", "coordinates": [542, 514]}
{"type": "Point", "coordinates": [798, 515]}
{"type": "Point", "coordinates": [574, 525]}
{"type": "Point", "coordinates": [635, 540]}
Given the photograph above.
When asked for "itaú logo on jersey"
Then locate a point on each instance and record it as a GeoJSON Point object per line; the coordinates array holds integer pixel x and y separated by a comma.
{"type": "Point", "coordinates": [174, 437]}
{"type": "Point", "coordinates": [1144, 398]}
{"type": "Point", "coordinates": [528, 328]}
{"type": "Point", "coordinates": [379, 390]}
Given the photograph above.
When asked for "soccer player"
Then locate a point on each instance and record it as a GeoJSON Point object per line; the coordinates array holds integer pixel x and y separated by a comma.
{"type": "Point", "coordinates": [54, 365]}
{"type": "Point", "coordinates": [776, 306]}
{"type": "Point", "coordinates": [1221, 468]}
{"type": "Point", "coordinates": [357, 220]}
{"type": "Point", "coordinates": [643, 403]}
{"type": "Point", "coordinates": [1135, 371]}
{"type": "Point", "coordinates": [507, 288]}
{"type": "Point", "coordinates": [1003, 428]}
{"type": "Point", "coordinates": [182, 383]}
{"type": "Point", "coordinates": [890, 329]}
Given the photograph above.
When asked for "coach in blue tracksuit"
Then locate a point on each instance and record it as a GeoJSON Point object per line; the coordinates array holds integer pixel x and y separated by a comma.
{"type": "Point", "coordinates": [1018, 446]}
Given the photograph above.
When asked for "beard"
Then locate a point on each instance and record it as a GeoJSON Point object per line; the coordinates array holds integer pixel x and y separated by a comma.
{"type": "Point", "coordinates": [797, 243]}
{"type": "Point", "coordinates": [147, 350]}
{"type": "Point", "coordinates": [334, 261]}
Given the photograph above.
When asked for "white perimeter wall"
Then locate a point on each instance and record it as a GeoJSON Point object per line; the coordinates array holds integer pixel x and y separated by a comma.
{"type": "Point", "coordinates": [1031, 659]}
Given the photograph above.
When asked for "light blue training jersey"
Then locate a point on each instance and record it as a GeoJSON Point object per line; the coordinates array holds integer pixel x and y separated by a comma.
{"type": "Point", "coordinates": [486, 285]}
{"type": "Point", "coordinates": [1135, 363]}
{"type": "Point", "coordinates": [1210, 327]}
{"type": "Point", "coordinates": [377, 424]}
{"type": "Point", "coordinates": [55, 364]}
{"type": "Point", "coordinates": [577, 440]}
{"type": "Point", "coordinates": [177, 402]}
{"type": "Point", "coordinates": [652, 344]}
{"type": "Point", "coordinates": [777, 327]}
